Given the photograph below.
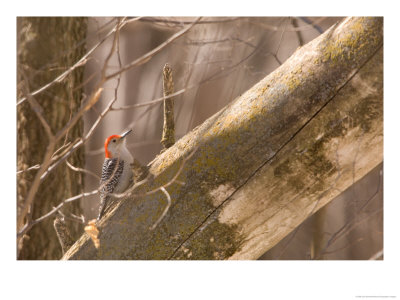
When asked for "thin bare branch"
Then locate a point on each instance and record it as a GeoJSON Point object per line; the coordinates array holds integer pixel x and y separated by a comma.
{"type": "Point", "coordinates": [378, 255]}
{"type": "Point", "coordinates": [298, 33]}
{"type": "Point", "coordinates": [313, 24]}
{"type": "Point", "coordinates": [168, 134]}
{"type": "Point", "coordinates": [146, 57]}
{"type": "Point", "coordinates": [35, 167]}
{"type": "Point", "coordinates": [165, 209]}
{"type": "Point", "coordinates": [79, 142]}
{"type": "Point", "coordinates": [182, 22]}
{"type": "Point", "coordinates": [47, 160]}
{"type": "Point", "coordinates": [152, 102]}
{"type": "Point", "coordinates": [29, 225]}
{"type": "Point", "coordinates": [36, 107]}
{"type": "Point", "coordinates": [129, 191]}
{"type": "Point", "coordinates": [207, 42]}
{"type": "Point", "coordinates": [341, 248]}
{"type": "Point", "coordinates": [79, 63]}
{"type": "Point", "coordinates": [80, 219]}
{"type": "Point", "coordinates": [97, 122]}
{"type": "Point", "coordinates": [82, 170]}
{"type": "Point", "coordinates": [352, 223]}
{"type": "Point", "coordinates": [300, 28]}
{"type": "Point", "coordinates": [113, 47]}
{"type": "Point", "coordinates": [275, 54]}
{"type": "Point", "coordinates": [28, 201]}
{"type": "Point", "coordinates": [72, 217]}
{"type": "Point", "coordinates": [213, 76]}
{"type": "Point", "coordinates": [62, 148]}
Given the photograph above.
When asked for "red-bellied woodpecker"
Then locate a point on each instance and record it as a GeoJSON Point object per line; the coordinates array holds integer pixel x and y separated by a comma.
{"type": "Point", "coordinates": [117, 172]}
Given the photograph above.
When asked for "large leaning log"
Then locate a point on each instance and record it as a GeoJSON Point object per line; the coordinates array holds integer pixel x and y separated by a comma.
{"type": "Point", "coordinates": [265, 162]}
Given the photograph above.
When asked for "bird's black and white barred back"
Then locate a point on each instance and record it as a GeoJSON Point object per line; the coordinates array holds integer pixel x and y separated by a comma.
{"type": "Point", "coordinates": [116, 174]}
{"type": "Point", "coordinates": [110, 176]}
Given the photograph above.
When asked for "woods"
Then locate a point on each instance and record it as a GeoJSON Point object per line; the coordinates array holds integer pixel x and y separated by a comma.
{"type": "Point", "coordinates": [255, 170]}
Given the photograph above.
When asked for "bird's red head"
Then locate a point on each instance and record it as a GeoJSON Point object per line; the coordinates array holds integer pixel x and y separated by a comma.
{"type": "Point", "coordinates": [110, 139]}
{"type": "Point", "coordinates": [117, 139]}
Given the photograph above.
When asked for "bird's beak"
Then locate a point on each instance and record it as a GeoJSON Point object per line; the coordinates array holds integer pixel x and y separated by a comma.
{"type": "Point", "coordinates": [126, 133]}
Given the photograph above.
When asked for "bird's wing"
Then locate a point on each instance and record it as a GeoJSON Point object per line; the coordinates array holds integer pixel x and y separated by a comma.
{"type": "Point", "coordinates": [110, 175]}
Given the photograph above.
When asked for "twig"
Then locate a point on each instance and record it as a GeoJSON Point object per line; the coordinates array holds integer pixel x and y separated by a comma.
{"type": "Point", "coordinates": [35, 167]}
{"type": "Point", "coordinates": [165, 209]}
{"type": "Point", "coordinates": [168, 20]}
{"type": "Point", "coordinates": [298, 33]}
{"type": "Point", "coordinates": [300, 28]}
{"type": "Point", "coordinates": [275, 55]}
{"type": "Point", "coordinates": [340, 249]}
{"type": "Point", "coordinates": [351, 224]}
{"type": "Point", "coordinates": [230, 39]}
{"type": "Point", "coordinates": [129, 191]}
{"type": "Point", "coordinates": [113, 47]}
{"type": "Point", "coordinates": [81, 141]}
{"type": "Point", "coordinates": [102, 115]}
{"type": "Point", "coordinates": [82, 170]}
{"type": "Point", "coordinates": [168, 135]}
{"type": "Point", "coordinates": [29, 225]}
{"type": "Point", "coordinates": [48, 155]}
{"type": "Point", "coordinates": [62, 148]}
{"type": "Point", "coordinates": [146, 57]}
{"type": "Point", "coordinates": [28, 201]}
{"type": "Point", "coordinates": [79, 63]}
{"type": "Point", "coordinates": [37, 108]}
{"type": "Point", "coordinates": [377, 255]}
{"type": "Point", "coordinates": [152, 102]}
{"type": "Point", "coordinates": [313, 24]}
{"type": "Point", "coordinates": [81, 219]}
{"type": "Point", "coordinates": [183, 90]}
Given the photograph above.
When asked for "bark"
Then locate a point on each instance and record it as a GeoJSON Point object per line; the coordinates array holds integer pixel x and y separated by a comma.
{"type": "Point", "coordinates": [264, 163]}
{"type": "Point", "coordinates": [168, 135]}
{"type": "Point", "coordinates": [63, 234]}
{"type": "Point", "coordinates": [46, 47]}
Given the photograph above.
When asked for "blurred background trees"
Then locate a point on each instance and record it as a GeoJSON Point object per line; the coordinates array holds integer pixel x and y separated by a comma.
{"type": "Point", "coordinates": [46, 47]}
{"type": "Point", "coordinates": [213, 63]}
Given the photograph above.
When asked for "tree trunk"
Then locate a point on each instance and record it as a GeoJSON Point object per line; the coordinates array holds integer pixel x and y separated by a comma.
{"type": "Point", "coordinates": [265, 162]}
{"type": "Point", "coordinates": [47, 47]}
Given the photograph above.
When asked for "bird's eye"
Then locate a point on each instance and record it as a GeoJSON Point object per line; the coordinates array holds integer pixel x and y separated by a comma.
{"type": "Point", "coordinates": [113, 141]}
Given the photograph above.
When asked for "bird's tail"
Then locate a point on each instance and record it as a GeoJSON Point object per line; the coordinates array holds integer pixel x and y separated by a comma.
{"type": "Point", "coordinates": [102, 208]}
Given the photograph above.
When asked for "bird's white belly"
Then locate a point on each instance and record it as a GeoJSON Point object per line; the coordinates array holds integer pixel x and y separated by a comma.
{"type": "Point", "coordinates": [125, 179]}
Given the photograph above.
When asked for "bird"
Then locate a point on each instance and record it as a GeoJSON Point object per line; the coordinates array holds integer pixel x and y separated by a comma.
{"type": "Point", "coordinates": [116, 172]}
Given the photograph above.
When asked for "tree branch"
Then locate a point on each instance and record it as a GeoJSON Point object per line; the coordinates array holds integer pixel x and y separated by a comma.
{"type": "Point", "coordinates": [168, 135]}
{"type": "Point", "coordinates": [144, 58]}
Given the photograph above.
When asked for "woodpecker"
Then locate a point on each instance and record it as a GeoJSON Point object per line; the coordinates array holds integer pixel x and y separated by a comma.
{"type": "Point", "coordinates": [116, 172]}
